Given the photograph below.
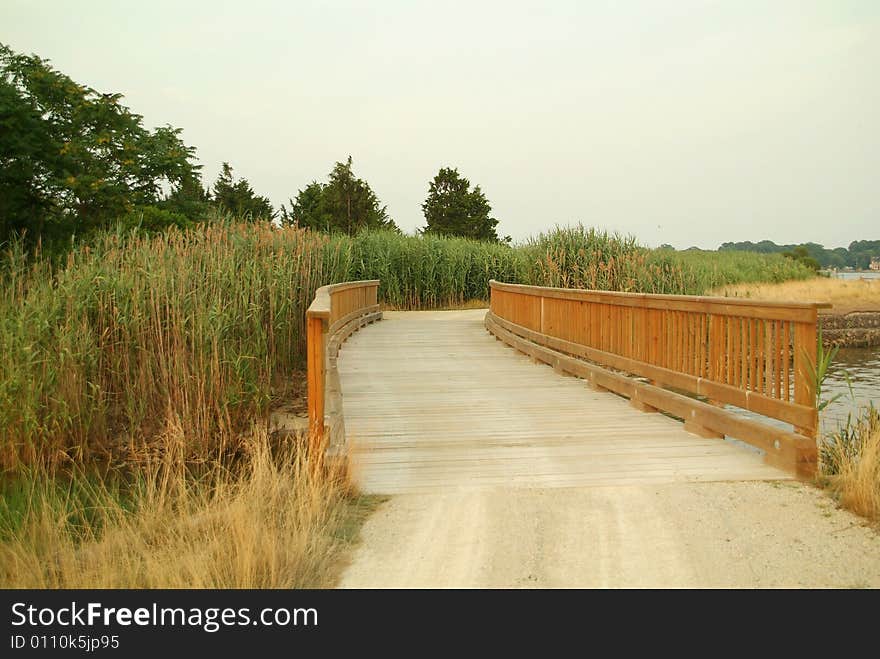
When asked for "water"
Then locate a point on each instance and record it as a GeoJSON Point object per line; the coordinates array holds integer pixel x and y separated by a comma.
{"type": "Point", "coordinates": [863, 388]}
{"type": "Point", "coordinates": [863, 366]}
{"type": "Point", "coordinates": [869, 274]}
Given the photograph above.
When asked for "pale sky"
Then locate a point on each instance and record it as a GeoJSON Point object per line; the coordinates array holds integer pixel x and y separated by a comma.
{"type": "Point", "coordinates": [691, 122]}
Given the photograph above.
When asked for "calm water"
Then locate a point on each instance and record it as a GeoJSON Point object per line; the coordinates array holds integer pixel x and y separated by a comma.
{"type": "Point", "coordinates": [863, 366]}
{"type": "Point", "coordinates": [872, 274]}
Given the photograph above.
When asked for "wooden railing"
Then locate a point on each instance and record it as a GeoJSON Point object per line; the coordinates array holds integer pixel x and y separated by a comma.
{"type": "Point", "coordinates": [758, 356]}
{"type": "Point", "coordinates": [337, 311]}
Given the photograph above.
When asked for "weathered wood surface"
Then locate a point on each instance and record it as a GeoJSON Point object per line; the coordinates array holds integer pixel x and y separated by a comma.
{"type": "Point", "coordinates": [433, 401]}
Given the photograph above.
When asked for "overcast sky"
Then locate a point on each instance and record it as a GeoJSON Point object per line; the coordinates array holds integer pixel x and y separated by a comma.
{"type": "Point", "coordinates": [691, 122]}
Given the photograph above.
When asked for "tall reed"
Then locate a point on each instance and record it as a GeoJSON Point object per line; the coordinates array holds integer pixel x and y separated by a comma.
{"type": "Point", "coordinates": [96, 353]}
{"type": "Point", "coordinates": [429, 271]}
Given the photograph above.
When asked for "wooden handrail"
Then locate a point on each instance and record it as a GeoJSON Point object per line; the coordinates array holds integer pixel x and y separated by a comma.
{"type": "Point", "coordinates": [726, 306]}
{"type": "Point", "coordinates": [336, 311]}
{"type": "Point", "coordinates": [759, 356]}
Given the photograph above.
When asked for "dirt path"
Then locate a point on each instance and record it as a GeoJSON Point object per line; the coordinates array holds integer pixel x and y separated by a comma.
{"type": "Point", "coordinates": [749, 534]}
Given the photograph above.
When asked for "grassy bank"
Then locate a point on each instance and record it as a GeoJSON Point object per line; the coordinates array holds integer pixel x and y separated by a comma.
{"type": "Point", "coordinates": [845, 294]}
{"type": "Point", "coordinates": [851, 464]}
{"type": "Point", "coordinates": [271, 522]}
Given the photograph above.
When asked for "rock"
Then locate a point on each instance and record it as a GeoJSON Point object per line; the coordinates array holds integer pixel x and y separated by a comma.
{"type": "Point", "coordinates": [859, 329]}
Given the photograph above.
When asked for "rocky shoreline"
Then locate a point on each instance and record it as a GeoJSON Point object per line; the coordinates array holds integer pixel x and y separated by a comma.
{"type": "Point", "coordinates": [857, 329]}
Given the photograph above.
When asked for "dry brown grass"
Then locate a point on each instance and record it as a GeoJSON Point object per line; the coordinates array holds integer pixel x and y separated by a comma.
{"type": "Point", "coordinates": [851, 462]}
{"type": "Point", "coordinates": [273, 522]}
{"type": "Point", "coordinates": [845, 294]}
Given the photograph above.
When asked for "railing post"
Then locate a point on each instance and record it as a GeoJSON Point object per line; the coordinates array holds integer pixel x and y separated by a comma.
{"type": "Point", "coordinates": [315, 336]}
{"type": "Point", "coordinates": [805, 349]}
{"type": "Point", "coordinates": [716, 352]}
{"type": "Point", "coordinates": [541, 324]}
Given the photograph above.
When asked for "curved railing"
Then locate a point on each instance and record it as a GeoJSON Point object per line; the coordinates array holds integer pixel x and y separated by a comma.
{"type": "Point", "coordinates": [759, 356]}
{"type": "Point", "coordinates": [337, 311]}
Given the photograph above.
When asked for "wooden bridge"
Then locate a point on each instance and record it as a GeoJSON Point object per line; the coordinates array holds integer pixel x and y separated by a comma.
{"type": "Point", "coordinates": [428, 400]}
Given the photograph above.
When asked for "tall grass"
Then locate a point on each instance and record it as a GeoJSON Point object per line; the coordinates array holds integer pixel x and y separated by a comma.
{"type": "Point", "coordinates": [429, 271]}
{"type": "Point", "coordinates": [432, 271]}
{"type": "Point", "coordinates": [697, 272]}
{"type": "Point", "coordinates": [274, 522]}
{"type": "Point", "coordinates": [845, 294]}
{"type": "Point", "coordinates": [851, 463]}
{"type": "Point", "coordinates": [97, 353]}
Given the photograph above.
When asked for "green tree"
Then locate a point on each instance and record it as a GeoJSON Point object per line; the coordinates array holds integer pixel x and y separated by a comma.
{"type": "Point", "coordinates": [345, 203]}
{"type": "Point", "coordinates": [862, 251]}
{"type": "Point", "coordinates": [24, 200]}
{"type": "Point", "coordinates": [73, 159]}
{"type": "Point", "coordinates": [802, 253]}
{"type": "Point", "coordinates": [189, 199]}
{"type": "Point", "coordinates": [454, 209]}
{"type": "Point", "coordinates": [152, 219]}
{"type": "Point", "coordinates": [838, 257]}
{"type": "Point", "coordinates": [239, 198]}
{"type": "Point", "coordinates": [309, 209]}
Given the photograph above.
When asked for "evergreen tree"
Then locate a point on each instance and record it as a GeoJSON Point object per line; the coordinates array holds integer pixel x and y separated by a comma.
{"type": "Point", "coordinates": [454, 209]}
{"type": "Point", "coordinates": [189, 199]}
{"type": "Point", "coordinates": [239, 198]}
{"type": "Point", "coordinates": [345, 203]}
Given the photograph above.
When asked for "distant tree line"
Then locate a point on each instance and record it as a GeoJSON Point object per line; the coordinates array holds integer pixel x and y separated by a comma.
{"type": "Point", "coordinates": [858, 255]}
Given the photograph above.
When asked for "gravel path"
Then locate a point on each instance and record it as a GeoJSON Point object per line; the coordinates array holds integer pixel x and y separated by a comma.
{"type": "Point", "coordinates": [691, 535]}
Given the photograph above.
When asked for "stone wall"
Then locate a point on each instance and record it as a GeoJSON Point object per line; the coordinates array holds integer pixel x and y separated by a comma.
{"type": "Point", "coordinates": [859, 329]}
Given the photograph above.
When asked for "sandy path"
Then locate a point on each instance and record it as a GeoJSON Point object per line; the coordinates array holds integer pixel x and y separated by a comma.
{"type": "Point", "coordinates": [749, 534]}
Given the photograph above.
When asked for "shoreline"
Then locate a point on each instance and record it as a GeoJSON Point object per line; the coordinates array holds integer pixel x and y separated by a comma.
{"type": "Point", "coordinates": [854, 329]}
{"type": "Point", "coordinates": [852, 322]}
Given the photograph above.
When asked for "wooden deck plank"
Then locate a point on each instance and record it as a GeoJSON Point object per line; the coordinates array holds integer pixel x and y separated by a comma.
{"type": "Point", "coordinates": [432, 401]}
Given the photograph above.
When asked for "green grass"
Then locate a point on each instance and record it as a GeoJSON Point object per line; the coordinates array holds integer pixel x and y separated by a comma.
{"type": "Point", "coordinates": [76, 500]}
{"type": "Point", "coordinates": [271, 521]}
{"type": "Point", "coordinates": [702, 271]}
{"type": "Point", "coordinates": [427, 272]}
